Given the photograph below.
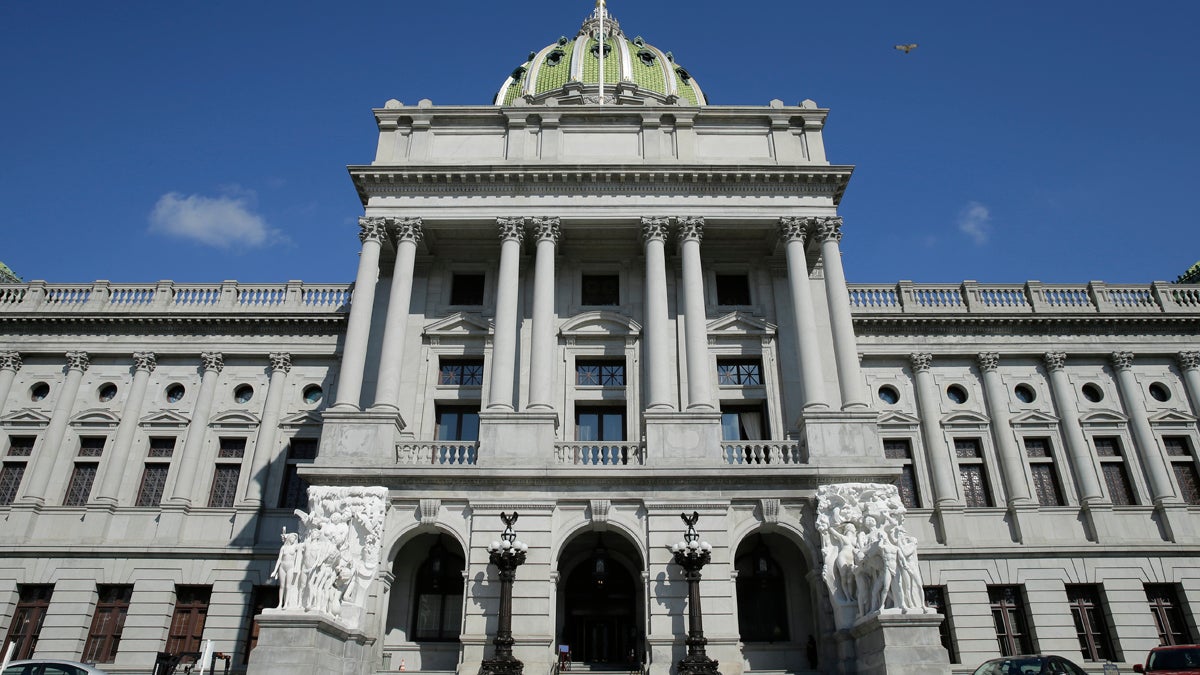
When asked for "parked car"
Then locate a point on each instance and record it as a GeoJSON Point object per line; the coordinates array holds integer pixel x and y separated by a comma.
{"type": "Point", "coordinates": [1171, 660]}
{"type": "Point", "coordinates": [50, 667]}
{"type": "Point", "coordinates": [1032, 664]}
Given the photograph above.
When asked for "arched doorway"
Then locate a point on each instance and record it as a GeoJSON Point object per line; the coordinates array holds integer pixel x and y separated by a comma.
{"type": "Point", "coordinates": [425, 607]}
{"type": "Point", "coordinates": [777, 623]}
{"type": "Point", "coordinates": [601, 613]}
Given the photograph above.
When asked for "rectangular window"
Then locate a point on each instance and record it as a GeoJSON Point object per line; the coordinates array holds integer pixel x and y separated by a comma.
{"type": "Point", "coordinates": [162, 447]}
{"type": "Point", "coordinates": [187, 622]}
{"type": "Point", "coordinates": [600, 290]}
{"type": "Point", "coordinates": [600, 373]}
{"type": "Point", "coordinates": [224, 486]}
{"type": "Point", "coordinates": [1179, 451]}
{"type": "Point", "coordinates": [466, 289]}
{"type": "Point", "coordinates": [91, 446]}
{"type": "Point", "coordinates": [232, 448]}
{"type": "Point", "coordinates": [11, 474]}
{"type": "Point", "coordinates": [935, 597]}
{"type": "Point", "coordinates": [1169, 616]}
{"type": "Point", "coordinates": [743, 423]}
{"type": "Point", "coordinates": [739, 372]}
{"type": "Point", "coordinates": [900, 450]}
{"type": "Point", "coordinates": [733, 289]}
{"type": "Point", "coordinates": [972, 473]}
{"type": "Point", "coordinates": [458, 422]}
{"type": "Point", "coordinates": [1091, 627]}
{"type": "Point", "coordinates": [460, 372]}
{"type": "Point", "coordinates": [107, 623]}
{"type": "Point", "coordinates": [21, 446]}
{"type": "Point", "coordinates": [1112, 465]}
{"type": "Point", "coordinates": [294, 493]}
{"type": "Point", "coordinates": [80, 487]}
{"type": "Point", "coordinates": [1045, 475]}
{"type": "Point", "coordinates": [600, 424]}
{"type": "Point", "coordinates": [32, 602]}
{"type": "Point", "coordinates": [263, 597]}
{"type": "Point", "coordinates": [154, 482]}
{"type": "Point", "coordinates": [1011, 624]}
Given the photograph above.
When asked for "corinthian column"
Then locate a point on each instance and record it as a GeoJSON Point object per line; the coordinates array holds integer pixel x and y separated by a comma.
{"type": "Point", "coordinates": [658, 340]}
{"type": "Point", "coordinates": [358, 328]}
{"type": "Point", "coordinates": [1189, 365]}
{"type": "Point", "coordinates": [1153, 464]}
{"type": "Point", "coordinates": [268, 430]}
{"type": "Point", "coordinates": [945, 485]}
{"type": "Point", "coordinates": [504, 343]}
{"type": "Point", "coordinates": [695, 318]}
{"type": "Point", "coordinates": [185, 477]}
{"type": "Point", "coordinates": [541, 360]}
{"type": "Point", "coordinates": [10, 363]}
{"type": "Point", "coordinates": [407, 233]}
{"type": "Point", "coordinates": [1011, 465]}
{"type": "Point", "coordinates": [1077, 447]}
{"type": "Point", "coordinates": [793, 232]}
{"type": "Point", "coordinates": [144, 363]}
{"type": "Point", "coordinates": [845, 345]}
{"type": "Point", "coordinates": [43, 463]}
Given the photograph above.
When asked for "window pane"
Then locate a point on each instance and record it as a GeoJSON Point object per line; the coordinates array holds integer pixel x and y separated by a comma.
{"type": "Point", "coordinates": [731, 426]}
{"type": "Point", "coordinates": [1046, 483]}
{"type": "Point", "coordinates": [10, 481]}
{"type": "Point", "coordinates": [975, 492]}
{"type": "Point", "coordinates": [187, 623]}
{"type": "Point", "coordinates": [1189, 481]}
{"type": "Point", "coordinates": [587, 427]}
{"type": "Point", "coordinates": [107, 623]}
{"type": "Point", "coordinates": [739, 372]}
{"type": "Point", "coordinates": [1119, 488]}
{"type": "Point", "coordinates": [967, 448]}
{"type": "Point", "coordinates": [224, 486]}
{"type": "Point", "coordinates": [32, 603]}
{"type": "Point", "coordinates": [154, 481]}
{"type": "Point", "coordinates": [80, 487]}
{"type": "Point", "coordinates": [906, 483]}
{"type": "Point", "coordinates": [461, 372]}
{"type": "Point", "coordinates": [614, 427]}
{"type": "Point", "coordinates": [232, 448]}
{"type": "Point", "coordinates": [161, 447]}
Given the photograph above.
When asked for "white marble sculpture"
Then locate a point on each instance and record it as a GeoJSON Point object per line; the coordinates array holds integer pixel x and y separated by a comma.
{"type": "Point", "coordinates": [327, 567]}
{"type": "Point", "coordinates": [869, 561]}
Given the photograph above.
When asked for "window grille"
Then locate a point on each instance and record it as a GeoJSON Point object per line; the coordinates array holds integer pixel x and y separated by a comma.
{"type": "Point", "coordinates": [224, 486]}
{"type": "Point", "coordinates": [11, 474]}
{"type": "Point", "coordinates": [971, 472]}
{"type": "Point", "coordinates": [21, 446]}
{"type": "Point", "coordinates": [599, 374]}
{"type": "Point", "coordinates": [1112, 465]}
{"type": "Point", "coordinates": [91, 446]}
{"type": "Point", "coordinates": [107, 623]}
{"type": "Point", "coordinates": [461, 373]}
{"type": "Point", "coordinates": [900, 449]}
{"type": "Point", "coordinates": [80, 487]}
{"type": "Point", "coordinates": [161, 447]}
{"type": "Point", "coordinates": [1044, 472]}
{"type": "Point", "coordinates": [154, 483]}
{"type": "Point", "coordinates": [739, 372]}
{"type": "Point", "coordinates": [935, 597]}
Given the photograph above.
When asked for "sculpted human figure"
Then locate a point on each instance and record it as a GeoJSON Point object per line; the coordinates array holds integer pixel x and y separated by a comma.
{"type": "Point", "coordinates": [287, 570]}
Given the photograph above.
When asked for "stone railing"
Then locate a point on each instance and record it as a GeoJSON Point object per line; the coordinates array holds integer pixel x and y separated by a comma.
{"type": "Point", "coordinates": [1032, 297]}
{"type": "Point", "coordinates": [438, 453]}
{"type": "Point", "coordinates": [172, 298]}
{"type": "Point", "coordinates": [753, 453]}
{"type": "Point", "coordinates": [599, 453]}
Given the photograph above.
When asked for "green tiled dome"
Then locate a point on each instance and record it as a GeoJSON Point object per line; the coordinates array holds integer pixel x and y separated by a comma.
{"type": "Point", "coordinates": [569, 70]}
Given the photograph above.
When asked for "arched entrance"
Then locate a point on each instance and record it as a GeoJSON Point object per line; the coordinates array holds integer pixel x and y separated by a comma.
{"type": "Point", "coordinates": [777, 622]}
{"type": "Point", "coordinates": [425, 608]}
{"type": "Point", "coordinates": [601, 612]}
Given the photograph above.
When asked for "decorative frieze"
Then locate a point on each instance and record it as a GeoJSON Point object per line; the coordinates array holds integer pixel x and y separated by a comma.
{"type": "Point", "coordinates": [371, 228]}
{"type": "Point", "coordinates": [1055, 361]}
{"type": "Point", "coordinates": [921, 361]}
{"type": "Point", "coordinates": [1121, 360]}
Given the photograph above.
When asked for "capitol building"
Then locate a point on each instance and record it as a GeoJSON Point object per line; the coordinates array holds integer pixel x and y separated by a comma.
{"type": "Point", "coordinates": [599, 302]}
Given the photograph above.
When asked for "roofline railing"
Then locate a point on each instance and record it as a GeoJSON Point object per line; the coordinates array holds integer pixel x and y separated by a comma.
{"type": "Point", "coordinates": [168, 297]}
{"type": "Point", "coordinates": [1032, 297]}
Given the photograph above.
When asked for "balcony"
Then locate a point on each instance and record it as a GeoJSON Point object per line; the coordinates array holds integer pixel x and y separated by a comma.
{"type": "Point", "coordinates": [1032, 297]}
{"type": "Point", "coordinates": [167, 297]}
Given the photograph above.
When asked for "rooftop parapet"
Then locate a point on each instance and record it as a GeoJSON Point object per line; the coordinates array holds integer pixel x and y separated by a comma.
{"type": "Point", "coordinates": [1032, 297]}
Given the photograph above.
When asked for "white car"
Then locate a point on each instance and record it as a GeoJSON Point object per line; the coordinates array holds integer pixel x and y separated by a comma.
{"type": "Point", "coordinates": [50, 667]}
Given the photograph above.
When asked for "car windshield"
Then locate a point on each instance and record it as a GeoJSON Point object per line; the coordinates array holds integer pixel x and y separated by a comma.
{"type": "Point", "coordinates": [1174, 659]}
{"type": "Point", "coordinates": [1033, 665]}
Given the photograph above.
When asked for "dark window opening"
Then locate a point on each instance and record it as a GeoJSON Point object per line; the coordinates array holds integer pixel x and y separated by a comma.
{"type": "Point", "coordinates": [761, 596]}
{"type": "Point", "coordinates": [466, 289]}
{"type": "Point", "coordinates": [935, 597]}
{"type": "Point", "coordinates": [187, 621]}
{"type": "Point", "coordinates": [32, 602]}
{"type": "Point", "coordinates": [600, 424]}
{"type": "Point", "coordinates": [1087, 610]}
{"type": "Point", "coordinates": [438, 596]}
{"type": "Point", "coordinates": [294, 492]}
{"type": "Point", "coordinates": [733, 289]}
{"type": "Point", "coordinates": [1169, 616]}
{"type": "Point", "coordinates": [107, 623]}
{"type": "Point", "coordinates": [600, 290]}
{"type": "Point", "coordinates": [80, 487]}
{"type": "Point", "coordinates": [1008, 617]}
{"type": "Point", "coordinates": [900, 449]}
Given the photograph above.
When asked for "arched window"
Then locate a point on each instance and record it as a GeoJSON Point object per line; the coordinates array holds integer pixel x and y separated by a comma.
{"type": "Point", "coordinates": [438, 596]}
{"type": "Point", "coordinates": [761, 596]}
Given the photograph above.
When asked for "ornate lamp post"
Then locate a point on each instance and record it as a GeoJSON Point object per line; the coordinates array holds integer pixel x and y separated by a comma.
{"type": "Point", "coordinates": [692, 554]}
{"type": "Point", "coordinates": [507, 555]}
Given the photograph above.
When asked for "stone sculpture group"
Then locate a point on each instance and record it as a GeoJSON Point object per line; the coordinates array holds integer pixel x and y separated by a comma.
{"type": "Point", "coordinates": [327, 567]}
{"type": "Point", "coordinates": [869, 561]}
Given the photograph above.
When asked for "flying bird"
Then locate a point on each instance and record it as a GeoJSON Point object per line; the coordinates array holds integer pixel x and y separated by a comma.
{"type": "Point", "coordinates": [907, 48]}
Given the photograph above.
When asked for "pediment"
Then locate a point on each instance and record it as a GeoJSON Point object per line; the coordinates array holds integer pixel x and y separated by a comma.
{"type": "Point", "coordinates": [234, 419]}
{"type": "Point", "coordinates": [740, 323]}
{"type": "Point", "coordinates": [27, 417]}
{"type": "Point", "coordinates": [1032, 418]}
{"type": "Point", "coordinates": [1104, 418]}
{"type": "Point", "coordinates": [895, 418]}
{"type": "Point", "coordinates": [96, 417]}
{"type": "Point", "coordinates": [164, 418]}
{"type": "Point", "coordinates": [301, 419]}
{"type": "Point", "coordinates": [598, 324]}
{"type": "Point", "coordinates": [965, 418]}
{"type": "Point", "coordinates": [458, 324]}
{"type": "Point", "coordinates": [1172, 417]}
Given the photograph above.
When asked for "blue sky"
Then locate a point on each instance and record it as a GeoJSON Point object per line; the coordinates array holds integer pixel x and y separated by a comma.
{"type": "Point", "coordinates": [201, 141]}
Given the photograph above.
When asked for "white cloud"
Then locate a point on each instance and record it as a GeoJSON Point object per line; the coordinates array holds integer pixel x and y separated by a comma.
{"type": "Point", "coordinates": [227, 221]}
{"type": "Point", "coordinates": [975, 221]}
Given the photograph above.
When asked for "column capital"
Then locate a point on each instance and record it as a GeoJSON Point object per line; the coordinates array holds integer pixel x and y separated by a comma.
{"type": "Point", "coordinates": [989, 361]}
{"type": "Point", "coordinates": [655, 229]}
{"type": "Point", "coordinates": [793, 228]}
{"type": "Point", "coordinates": [407, 229]}
{"type": "Point", "coordinates": [1121, 360]}
{"type": "Point", "coordinates": [921, 361]}
{"type": "Point", "coordinates": [145, 361]}
{"type": "Point", "coordinates": [212, 361]}
{"type": "Point", "coordinates": [827, 228]}
{"type": "Point", "coordinates": [546, 229]}
{"type": "Point", "coordinates": [1055, 361]}
{"type": "Point", "coordinates": [1188, 360]}
{"type": "Point", "coordinates": [280, 361]}
{"type": "Point", "coordinates": [372, 229]}
{"type": "Point", "coordinates": [690, 228]}
{"type": "Point", "coordinates": [511, 228]}
{"type": "Point", "coordinates": [10, 360]}
{"type": "Point", "coordinates": [78, 361]}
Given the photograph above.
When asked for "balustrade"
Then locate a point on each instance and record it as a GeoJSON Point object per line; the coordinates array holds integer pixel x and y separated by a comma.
{"type": "Point", "coordinates": [438, 453]}
{"type": "Point", "coordinates": [591, 453]}
{"type": "Point", "coordinates": [1030, 298]}
{"type": "Point", "coordinates": [754, 453]}
{"type": "Point", "coordinates": [169, 297]}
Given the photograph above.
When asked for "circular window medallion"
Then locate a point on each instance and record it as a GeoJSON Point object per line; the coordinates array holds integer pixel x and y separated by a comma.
{"type": "Point", "coordinates": [175, 393]}
{"type": "Point", "coordinates": [889, 395]}
{"type": "Point", "coordinates": [1092, 393]}
{"type": "Point", "coordinates": [106, 392]}
{"type": "Point", "coordinates": [1025, 393]}
{"type": "Point", "coordinates": [313, 394]}
{"type": "Point", "coordinates": [243, 393]}
{"type": "Point", "coordinates": [39, 391]}
{"type": "Point", "coordinates": [956, 394]}
{"type": "Point", "coordinates": [1160, 392]}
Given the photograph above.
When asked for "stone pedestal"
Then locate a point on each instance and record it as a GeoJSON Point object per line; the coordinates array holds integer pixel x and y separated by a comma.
{"type": "Point", "coordinates": [296, 643]}
{"type": "Point", "coordinates": [898, 644]}
{"type": "Point", "coordinates": [359, 438]}
{"type": "Point", "coordinates": [510, 439]}
{"type": "Point", "coordinates": [841, 435]}
{"type": "Point", "coordinates": [683, 439]}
